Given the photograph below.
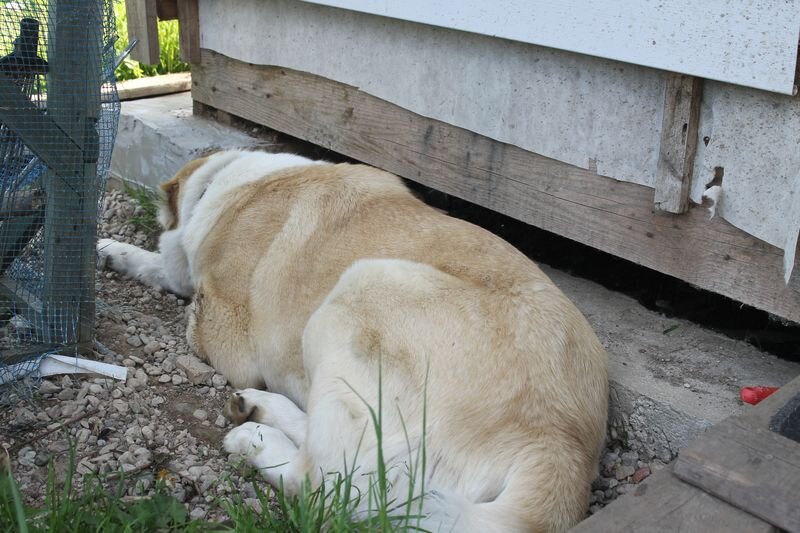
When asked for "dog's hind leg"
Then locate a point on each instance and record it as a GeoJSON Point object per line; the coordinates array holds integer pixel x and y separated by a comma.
{"type": "Point", "coordinates": [268, 408]}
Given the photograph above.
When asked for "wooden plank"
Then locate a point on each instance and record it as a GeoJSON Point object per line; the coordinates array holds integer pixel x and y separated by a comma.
{"type": "Point", "coordinates": [662, 504]}
{"type": "Point", "coordinates": [682, 99]}
{"type": "Point", "coordinates": [154, 86]}
{"type": "Point", "coordinates": [189, 23]}
{"type": "Point", "coordinates": [143, 25]}
{"type": "Point", "coordinates": [38, 131]}
{"type": "Point", "coordinates": [750, 467]}
{"type": "Point", "coordinates": [613, 216]}
{"type": "Point", "coordinates": [167, 9]}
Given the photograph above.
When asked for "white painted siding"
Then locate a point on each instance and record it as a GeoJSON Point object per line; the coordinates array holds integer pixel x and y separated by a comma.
{"type": "Point", "coordinates": [751, 43]}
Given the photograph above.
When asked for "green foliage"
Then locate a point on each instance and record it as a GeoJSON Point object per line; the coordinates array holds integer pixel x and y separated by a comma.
{"type": "Point", "coordinates": [147, 221]}
{"type": "Point", "coordinates": [97, 508]}
{"type": "Point", "coordinates": [102, 506]}
{"type": "Point", "coordinates": [168, 45]}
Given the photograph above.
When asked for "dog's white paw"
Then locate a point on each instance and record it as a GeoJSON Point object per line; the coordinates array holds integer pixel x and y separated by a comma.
{"type": "Point", "coordinates": [105, 249]}
{"type": "Point", "coordinates": [246, 440]}
{"type": "Point", "coordinates": [274, 410]}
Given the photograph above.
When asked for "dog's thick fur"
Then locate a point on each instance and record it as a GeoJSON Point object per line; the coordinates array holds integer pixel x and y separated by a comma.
{"type": "Point", "coordinates": [312, 279]}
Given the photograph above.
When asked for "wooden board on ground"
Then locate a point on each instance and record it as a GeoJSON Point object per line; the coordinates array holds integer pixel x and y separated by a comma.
{"type": "Point", "coordinates": [744, 463]}
{"type": "Point", "coordinates": [616, 217]}
{"type": "Point", "coordinates": [662, 504]}
{"type": "Point", "coordinates": [154, 86]}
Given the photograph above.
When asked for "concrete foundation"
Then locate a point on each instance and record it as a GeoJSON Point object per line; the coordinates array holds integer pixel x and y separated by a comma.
{"type": "Point", "coordinates": [670, 379]}
{"type": "Point", "coordinates": [157, 136]}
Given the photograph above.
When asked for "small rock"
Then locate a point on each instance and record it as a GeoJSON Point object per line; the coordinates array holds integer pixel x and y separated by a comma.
{"type": "Point", "coordinates": [640, 474]}
{"type": "Point", "coordinates": [48, 387]}
{"type": "Point", "coordinates": [176, 379]}
{"type": "Point", "coordinates": [630, 459]}
{"type": "Point", "coordinates": [219, 381]}
{"type": "Point", "coordinates": [198, 513]}
{"type": "Point", "coordinates": [42, 458]}
{"type": "Point", "coordinates": [200, 414]}
{"type": "Point", "coordinates": [120, 405]}
{"type": "Point", "coordinates": [164, 378]}
{"type": "Point", "coordinates": [152, 347]}
{"type": "Point", "coordinates": [621, 472]}
{"type": "Point", "coordinates": [196, 370]}
{"type": "Point", "coordinates": [220, 421]}
{"type": "Point", "coordinates": [66, 394]}
{"type": "Point", "coordinates": [134, 341]}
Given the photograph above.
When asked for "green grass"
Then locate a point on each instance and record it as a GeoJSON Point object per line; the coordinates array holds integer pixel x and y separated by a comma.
{"type": "Point", "coordinates": [147, 220]}
{"type": "Point", "coordinates": [331, 507]}
{"type": "Point", "coordinates": [168, 45]}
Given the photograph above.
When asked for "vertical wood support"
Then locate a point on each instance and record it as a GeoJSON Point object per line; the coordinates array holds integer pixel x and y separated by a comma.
{"type": "Point", "coordinates": [143, 25]}
{"type": "Point", "coordinates": [74, 84]}
{"type": "Point", "coordinates": [682, 99]}
{"type": "Point", "coordinates": [189, 28]}
{"type": "Point", "coordinates": [167, 9]}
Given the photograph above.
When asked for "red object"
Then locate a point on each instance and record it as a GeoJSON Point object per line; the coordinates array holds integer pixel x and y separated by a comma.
{"type": "Point", "coordinates": [753, 395]}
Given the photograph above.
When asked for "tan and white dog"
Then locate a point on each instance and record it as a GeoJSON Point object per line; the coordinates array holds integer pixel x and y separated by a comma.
{"type": "Point", "coordinates": [311, 279]}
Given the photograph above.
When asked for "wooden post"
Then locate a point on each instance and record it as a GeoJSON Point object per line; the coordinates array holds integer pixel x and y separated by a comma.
{"type": "Point", "coordinates": [143, 25]}
{"type": "Point", "coordinates": [678, 147]}
{"type": "Point", "coordinates": [189, 28]}
{"type": "Point", "coordinates": [73, 101]}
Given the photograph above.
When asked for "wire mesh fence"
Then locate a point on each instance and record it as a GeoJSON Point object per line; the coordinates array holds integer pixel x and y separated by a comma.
{"type": "Point", "coordinates": [58, 119]}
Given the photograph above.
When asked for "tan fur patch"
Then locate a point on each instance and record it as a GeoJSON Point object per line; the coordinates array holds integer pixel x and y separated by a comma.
{"type": "Point", "coordinates": [172, 190]}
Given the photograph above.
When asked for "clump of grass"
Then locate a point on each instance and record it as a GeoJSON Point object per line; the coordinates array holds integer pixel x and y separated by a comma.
{"type": "Point", "coordinates": [334, 506]}
{"type": "Point", "coordinates": [169, 54]}
{"type": "Point", "coordinates": [147, 220]}
{"type": "Point", "coordinates": [96, 508]}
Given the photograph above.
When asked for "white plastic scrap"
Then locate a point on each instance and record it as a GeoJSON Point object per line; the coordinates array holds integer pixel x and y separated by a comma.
{"type": "Point", "coordinates": [53, 364]}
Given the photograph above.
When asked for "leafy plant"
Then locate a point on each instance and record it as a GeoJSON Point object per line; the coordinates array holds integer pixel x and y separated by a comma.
{"type": "Point", "coordinates": [147, 220]}
{"type": "Point", "coordinates": [168, 40]}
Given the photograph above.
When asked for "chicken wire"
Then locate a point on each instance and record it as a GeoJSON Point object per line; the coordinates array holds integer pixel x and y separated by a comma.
{"type": "Point", "coordinates": [59, 111]}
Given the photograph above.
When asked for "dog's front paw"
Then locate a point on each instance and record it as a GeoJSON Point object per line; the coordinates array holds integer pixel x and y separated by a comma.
{"type": "Point", "coordinates": [105, 252]}
{"type": "Point", "coordinates": [246, 440]}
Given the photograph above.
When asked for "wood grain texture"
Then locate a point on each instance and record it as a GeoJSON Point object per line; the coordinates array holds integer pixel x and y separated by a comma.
{"type": "Point", "coordinates": [664, 504]}
{"type": "Point", "coordinates": [682, 99]}
{"type": "Point", "coordinates": [154, 86]}
{"type": "Point", "coordinates": [143, 25]}
{"type": "Point", "coordinates": [167, 9]}
{"type": "Point", "coordinates": [613, 216]}
{"type": "Point", "coordinates": [750, 467]}
{"type": "Point", "coordinates": [189, 23]}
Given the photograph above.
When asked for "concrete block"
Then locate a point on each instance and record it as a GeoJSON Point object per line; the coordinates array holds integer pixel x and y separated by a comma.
{"type": "Point", "coordinates": [157, 136]}
{"type": "Point", "coordinates": [670, 379]}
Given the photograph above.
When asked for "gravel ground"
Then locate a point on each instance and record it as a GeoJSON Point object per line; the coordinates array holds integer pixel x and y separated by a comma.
{"type": "Point", "coordinates": [166, 421]}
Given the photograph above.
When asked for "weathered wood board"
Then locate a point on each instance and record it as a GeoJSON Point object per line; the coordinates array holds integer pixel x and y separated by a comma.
{"type": "Point", "coordinates": [663, 504]}
{"type": "Point", "coordinates": [744, 463]}
{"type": "Point", "coordinates": [678, 147]}
{"type": "Point", "coordinates": [616, 217]}
{"type": "Point", "coordinates": [143, 25]}
{"type": "Point", "coordinates": [189, 35]}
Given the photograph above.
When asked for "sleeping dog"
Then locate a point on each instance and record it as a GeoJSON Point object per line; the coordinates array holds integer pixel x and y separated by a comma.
{"type": "Point", "coordinates": [332, 287]}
